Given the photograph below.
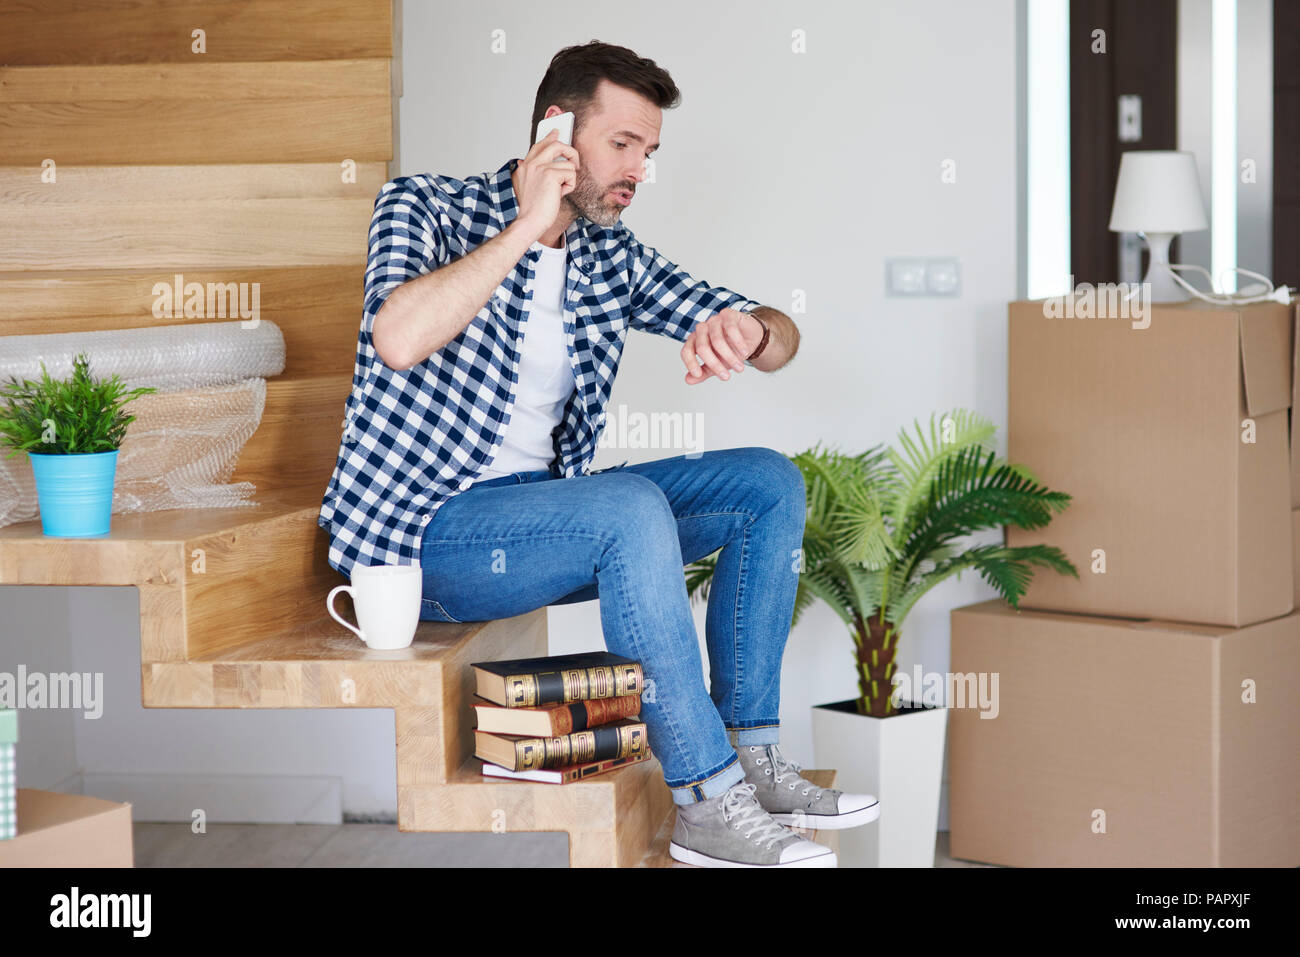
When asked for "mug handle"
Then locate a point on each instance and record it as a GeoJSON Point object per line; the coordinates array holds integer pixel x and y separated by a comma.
{"type": "Point", "coordinates": [329, 605]}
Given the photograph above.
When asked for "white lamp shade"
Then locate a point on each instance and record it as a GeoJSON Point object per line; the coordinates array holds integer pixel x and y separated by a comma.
{"type": "Point", "coordinates": [1158, 192]}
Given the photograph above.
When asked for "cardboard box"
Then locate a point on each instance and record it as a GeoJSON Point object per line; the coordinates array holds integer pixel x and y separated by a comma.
{"type": "Point", "coordinates": [1140, 721]}
{"type": "Point", "coordinates": [1174, 515]}
{"type": "Point", "coordinates": [1295, 419]}
{"type": "Point", "coordinates": [69, 830]}
{"type": "Point", "coordinates": [1295, 552]}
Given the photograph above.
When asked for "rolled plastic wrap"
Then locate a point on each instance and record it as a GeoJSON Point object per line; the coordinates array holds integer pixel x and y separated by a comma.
{"type": "Point", "coordinates": [178, 453]}
{"type": "Point", "coordinates": [169, 358]}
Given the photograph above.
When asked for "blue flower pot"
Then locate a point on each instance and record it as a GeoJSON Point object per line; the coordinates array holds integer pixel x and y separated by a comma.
{"type": "Point", "coordinates": [75, 492]}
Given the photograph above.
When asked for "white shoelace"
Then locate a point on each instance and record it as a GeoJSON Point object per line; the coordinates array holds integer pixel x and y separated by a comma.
{"type": "Point", "coordinates": [741, 808]}
{"type": "Point", "coordinates": [784, 767]}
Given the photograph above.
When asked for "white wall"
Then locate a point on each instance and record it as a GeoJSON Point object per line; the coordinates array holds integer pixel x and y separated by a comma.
{"type": "Point", "coordinates": [778, 172]}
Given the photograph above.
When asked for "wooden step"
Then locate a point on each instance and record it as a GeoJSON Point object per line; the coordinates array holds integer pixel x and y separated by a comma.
{"type": "Point", "coordinates": [657, 854]}
{"type": "Point", "coordinates": [320, 664]}
{"type": "Point", "coordinates": [197, 112]}
{"type": "Point", "coordinates": [297, 441]}
{"type": "Point", "coordinates": [611, 819]}
{"type": "Point", "coordinates": [170, 219]}
{"type": "Point", "coordinates": [160, 31]}
{"type": "Point", "coordinates": [192, 567]}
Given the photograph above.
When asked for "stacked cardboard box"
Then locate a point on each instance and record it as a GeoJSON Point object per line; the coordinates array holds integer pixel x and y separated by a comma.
{"type": "Point", "coordinates": [1147, 709]}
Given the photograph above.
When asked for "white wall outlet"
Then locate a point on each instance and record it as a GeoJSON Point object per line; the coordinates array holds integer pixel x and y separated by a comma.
{"type": "Point", "coordinates": [905, 277]}
{"type": "Point", "coordinates": [942, 277]}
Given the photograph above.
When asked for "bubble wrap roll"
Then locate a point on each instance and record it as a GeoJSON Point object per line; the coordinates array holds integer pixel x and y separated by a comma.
{"type": "Point", "coordinates": [168, 358]}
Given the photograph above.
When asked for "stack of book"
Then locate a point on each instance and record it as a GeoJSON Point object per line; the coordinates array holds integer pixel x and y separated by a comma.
{"type": "Point", "coordinates": [559, 719]}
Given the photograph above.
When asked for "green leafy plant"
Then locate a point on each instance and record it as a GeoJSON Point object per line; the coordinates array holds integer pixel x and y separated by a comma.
{"type": "Point", "coordinates": [884, 527]}
{"type": "Point", "coordinates": [65, 416]}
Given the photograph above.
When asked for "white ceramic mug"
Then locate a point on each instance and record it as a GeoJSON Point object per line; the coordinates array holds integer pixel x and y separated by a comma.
{"type": "Point", "coordinates": [387, 601]}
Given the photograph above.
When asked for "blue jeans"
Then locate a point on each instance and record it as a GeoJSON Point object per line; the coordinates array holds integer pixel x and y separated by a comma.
{"type": "Point", "coordinates": [526, 540]}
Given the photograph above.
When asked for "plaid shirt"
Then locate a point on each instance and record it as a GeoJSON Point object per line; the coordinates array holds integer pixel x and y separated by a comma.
{"type": "Point", "coordinates": [413, 439]}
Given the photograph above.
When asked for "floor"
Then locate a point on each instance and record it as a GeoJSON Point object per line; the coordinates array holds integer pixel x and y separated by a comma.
{"type": "Point", "coordinates": [362, 845]}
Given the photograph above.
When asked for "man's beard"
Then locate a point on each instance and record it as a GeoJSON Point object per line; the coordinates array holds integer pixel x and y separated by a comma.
{"type": "Point", "coordinates": [589, 200]}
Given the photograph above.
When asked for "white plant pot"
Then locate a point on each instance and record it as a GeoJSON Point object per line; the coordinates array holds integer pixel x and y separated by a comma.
{"type": "Point", "coordinates": [899, 759]}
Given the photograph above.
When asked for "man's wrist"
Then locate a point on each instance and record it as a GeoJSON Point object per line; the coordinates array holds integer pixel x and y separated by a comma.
{"type": "Point", "coordinates": [523, 228]}
{"type": "Point", "coordinates": [762, 343]}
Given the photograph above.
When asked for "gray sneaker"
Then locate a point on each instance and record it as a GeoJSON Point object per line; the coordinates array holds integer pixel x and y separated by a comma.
{"type": "Point", "coordinates": [794, 800]}
{"type": "Point", "coordinates": [733, 830]}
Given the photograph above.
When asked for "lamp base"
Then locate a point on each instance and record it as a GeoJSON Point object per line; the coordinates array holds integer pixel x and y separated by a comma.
{"type": "Point", "coordinates": [1159, 276]}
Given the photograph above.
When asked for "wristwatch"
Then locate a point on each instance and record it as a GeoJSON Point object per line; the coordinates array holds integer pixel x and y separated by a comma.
{"type": "Point", "coordinates": [762, 343]}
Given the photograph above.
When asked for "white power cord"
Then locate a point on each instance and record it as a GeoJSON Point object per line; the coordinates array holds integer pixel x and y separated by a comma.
{"type": "Point", "coordinates": [1251, 294]}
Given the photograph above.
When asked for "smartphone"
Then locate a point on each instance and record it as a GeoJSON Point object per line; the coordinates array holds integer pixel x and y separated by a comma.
{"type": "Point", "coordinates": [562, 122]}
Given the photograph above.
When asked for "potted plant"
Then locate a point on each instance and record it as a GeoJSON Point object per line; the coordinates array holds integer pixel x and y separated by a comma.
{"type": "Point", "coordinates": [71, 430]}
{"type": "Point", "coordinates": [884, 527]}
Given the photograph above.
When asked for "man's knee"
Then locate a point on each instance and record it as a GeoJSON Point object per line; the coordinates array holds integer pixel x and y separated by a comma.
{"type": "Point", "coordinates": [772, 470]}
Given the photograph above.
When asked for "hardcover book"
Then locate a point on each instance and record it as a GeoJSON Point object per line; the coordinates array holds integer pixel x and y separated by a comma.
{"type": "Point", "coordinates": [552, 720]}
{"type": "Point", "coordinates": [557, 679]}
{"type": "Point", "coordinates": [583, 747]}
{"type": "Point", "coordinates": [565, 775]}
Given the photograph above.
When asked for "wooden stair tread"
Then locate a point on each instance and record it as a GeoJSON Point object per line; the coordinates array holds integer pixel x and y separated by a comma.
{"type": "Point", "coordinates": [320, 664]}
{"type": "Point", "coordinates": [182, 113]}
{"type": "Point", "coordinates": [657, 854]}
{"type": "Point", "coordinates": [174, 524]}
{"type": "Point", "coordinates": [158, 31]}
{"type": "Point", "coordinates": [325, 640]}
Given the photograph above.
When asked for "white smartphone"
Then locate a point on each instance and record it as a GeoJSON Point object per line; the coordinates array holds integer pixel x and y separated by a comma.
{"type": "Point", "coordinates": [560, 121]}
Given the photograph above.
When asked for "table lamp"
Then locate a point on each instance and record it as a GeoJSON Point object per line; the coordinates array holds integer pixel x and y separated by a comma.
{"type": "Point", "coordinates": [1158, 196]}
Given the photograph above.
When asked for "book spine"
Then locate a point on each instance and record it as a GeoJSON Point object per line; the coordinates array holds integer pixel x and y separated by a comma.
{"type": "Point", "coordinates": [582, 747]}
{"type": "Point", "coordinates": [590, 770]}
{"type": "Point", "coordinates": [572, 684]}
{"type": "Point", "coordinates": [581, 715]}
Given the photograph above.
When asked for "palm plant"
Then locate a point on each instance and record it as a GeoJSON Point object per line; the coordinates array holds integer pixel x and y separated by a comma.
{"type": "Point", "coordinates": [883, 528]}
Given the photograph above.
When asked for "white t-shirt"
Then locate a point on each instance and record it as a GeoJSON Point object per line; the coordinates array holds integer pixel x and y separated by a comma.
{"type": "Point", "coordinates": [545, 374]}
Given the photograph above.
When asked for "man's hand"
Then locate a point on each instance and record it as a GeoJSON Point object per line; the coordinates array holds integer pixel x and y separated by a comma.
{"type": "Point", "coordinates": [719, 344]}
{"type": "Point", "coordinates": [547, 174]}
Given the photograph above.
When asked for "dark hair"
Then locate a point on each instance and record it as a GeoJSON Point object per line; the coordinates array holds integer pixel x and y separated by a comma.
{"type": "Point", "coordinates": [576, 71]}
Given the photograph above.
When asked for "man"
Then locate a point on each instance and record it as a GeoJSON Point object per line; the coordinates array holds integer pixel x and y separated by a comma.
{"type": "Point", "coordinates": [496, 309]}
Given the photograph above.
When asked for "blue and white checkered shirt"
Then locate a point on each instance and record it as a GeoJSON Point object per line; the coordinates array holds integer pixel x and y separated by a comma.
{"type": "Point", "coordinates": [412, 439]}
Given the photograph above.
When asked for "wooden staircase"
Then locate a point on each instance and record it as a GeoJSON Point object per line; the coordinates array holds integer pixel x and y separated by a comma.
{"type": "Point", "coordinates": [226, 166]}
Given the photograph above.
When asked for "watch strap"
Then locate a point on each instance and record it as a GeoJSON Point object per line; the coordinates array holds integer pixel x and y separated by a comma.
{"type": "Point", "coordinates": [762, 343]}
